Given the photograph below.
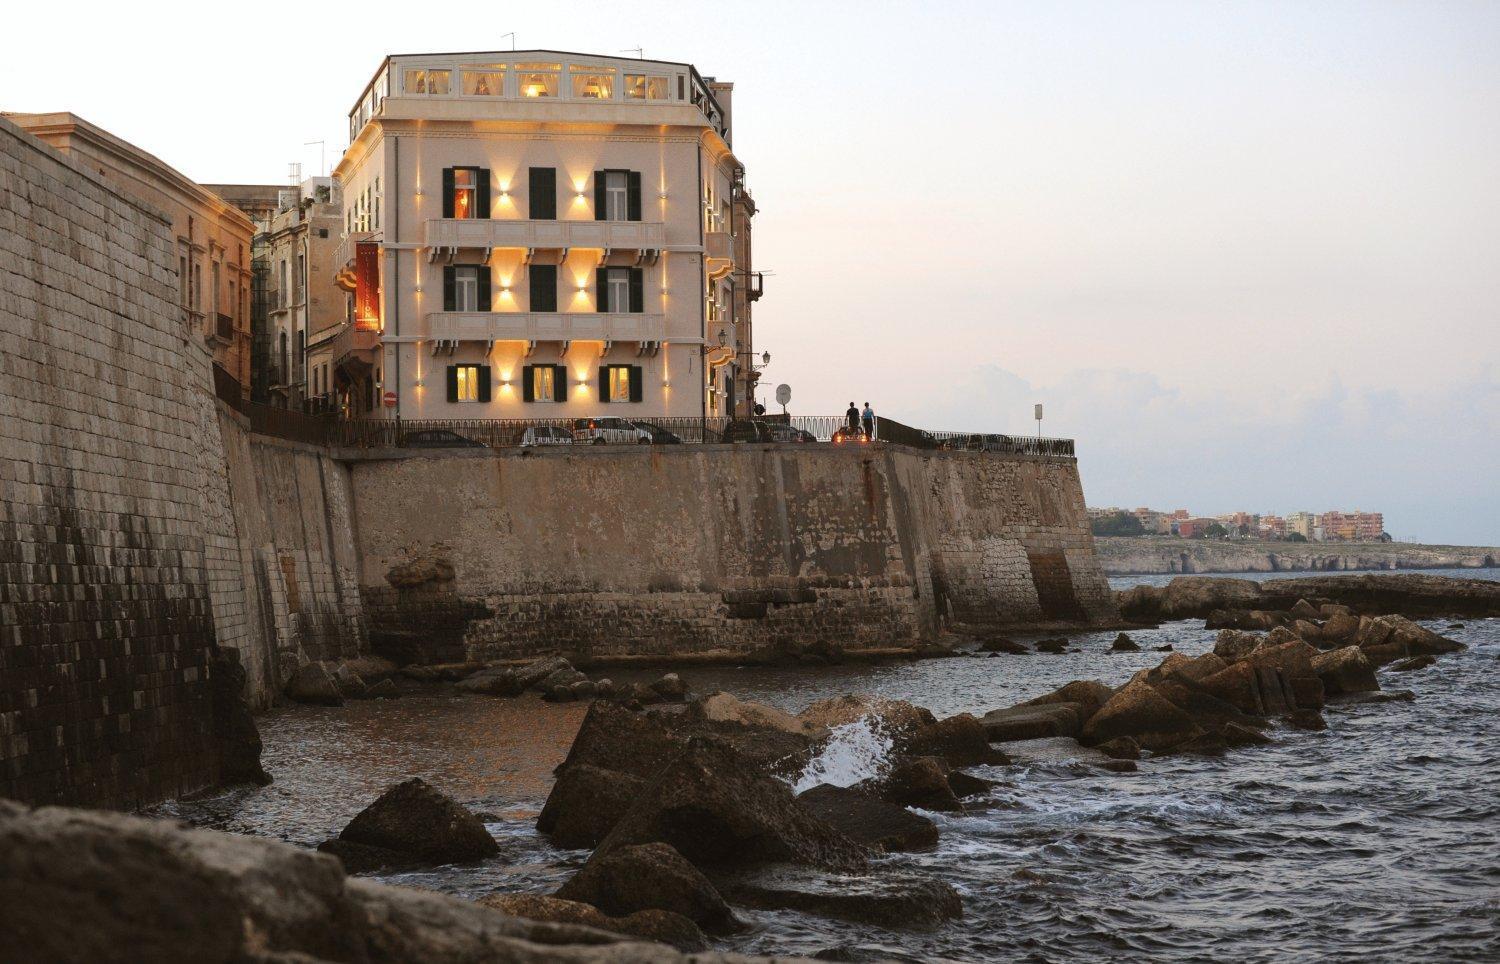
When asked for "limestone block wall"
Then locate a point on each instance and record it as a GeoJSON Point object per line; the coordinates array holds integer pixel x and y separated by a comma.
{"type": "Point", "coordinates": [672, 550]}
{"type": "Point", "coordinates": [106, 629]}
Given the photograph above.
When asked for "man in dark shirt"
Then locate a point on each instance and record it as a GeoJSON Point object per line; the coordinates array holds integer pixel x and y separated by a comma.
{"type": "Point", "coordinates": [852, 417]}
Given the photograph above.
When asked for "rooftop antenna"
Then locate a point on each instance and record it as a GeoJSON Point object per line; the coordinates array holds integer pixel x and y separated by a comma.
{"type": "Point", "coordinates": [512, 37]}
{"type": "Point", "coordinates": [322, 156]}
{"type": "Point", "coordinates": [640, 54]}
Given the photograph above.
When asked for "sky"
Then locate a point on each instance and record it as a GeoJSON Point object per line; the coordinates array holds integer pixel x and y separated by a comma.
{"type": "Point", "coordinates": [1248, 254]}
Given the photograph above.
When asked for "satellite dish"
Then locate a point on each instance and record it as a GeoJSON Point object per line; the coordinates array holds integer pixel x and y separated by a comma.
{"type": "Point", "coordinates": [783, 395]}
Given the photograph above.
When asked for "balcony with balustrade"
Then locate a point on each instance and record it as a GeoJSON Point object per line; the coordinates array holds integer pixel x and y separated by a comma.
{"type": "Point", "coordinates": [449, 235]}
{"type": "Point", "coordinates": [458, 326]}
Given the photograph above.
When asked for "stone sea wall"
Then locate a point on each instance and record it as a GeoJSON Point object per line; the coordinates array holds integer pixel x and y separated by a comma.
{"type": "Point", "coordinates": [106, 625]}
{"type": "Point", "coordinates": [1138, 555]}
{"type": "Point", "coordinates": [694, 549]}
{"type": "Point", "coordinates": [146, 536]}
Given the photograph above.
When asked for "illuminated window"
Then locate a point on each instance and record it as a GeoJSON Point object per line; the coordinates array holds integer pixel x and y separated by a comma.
{"type": "Point", "coordinates": [537, 80]}
{"type": "Point", "coordinates": [543, 377]}
{"type": "Point", "coordinates": [616, 196]}
{"type": "Point", "coordinates": [468, 382]}
{"type": "Point", "coordinates": [421, 81]}
{"type": "Point", "coordinates": [484, 83]}
{"type": "Point", "coordinates": [641, 87]}
{"type": "Point", "coordinates": [593, 83]}
{"type": "Point", "coordinates": [465, 191]}
{"type": "Point", "coordinates": [619, 383]}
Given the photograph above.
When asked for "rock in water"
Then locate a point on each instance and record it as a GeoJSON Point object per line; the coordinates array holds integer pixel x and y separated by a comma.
{"type": "Point", "coordinates": [893, 899]}
{"type": "Point", "coordinates": [1415, 662]}
{"type": "Point", "coordinates": [584, 804]}
{"type": "Point", "coordinates": [920, 781]}
{"type": "Point", "coordinates": [1124, 644]}
{"type": "Point", "coordinates": [1030, 722]}
{"type": "Point", "coordinates": [650, 877]}
{"type": "Point", "coordinates": [313, 684]}
{"type": "Point", "coordinates": [716, 809]}
{"type": "Point", "coordinates": [85, 885]}
{"type": "Point", "coordinates": [869, 820]}
{"type": "Point", "coordinates": [1089, 694]}
{"type": "Point", "coordinates": [999, 644]}
{"type": "Point", "coordinates": [670, 687]}
{"type": "Point", "coordinates": [961, 740]}
{"type": "Point", "coordinates": [419, 822]}
{"type": "Point", "coordinates": [1121, 748]}
{"type": "Point", "coordinates": [234, 727]}
{"type": "Point", "coordinates": [1345, 671]}
{"type": "Point", "coordinates": [1057, 644]}
{"type": "Point", "coordinates": [1139, 711]}
{"type": "Point", "coordinates": [651, 925]}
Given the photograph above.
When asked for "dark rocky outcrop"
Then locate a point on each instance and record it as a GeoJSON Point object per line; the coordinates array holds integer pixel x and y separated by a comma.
{"type": "Point", "coordinates": [961, 740]}
{"type": "Point", "coordinates": [918, 781]}
{"type": "Point", "coordinates": [1000, 644]}
{"type": "Point", "coordinates": [1140, 712]}
{"type": "Point", "coordinates": [1124, 644]}
{"type": "Point", "coordinates": [1188, 597]}
{"type": "Point", "coordinates": [717, 808]}
{"type": "Point", "coordinates": [234, 727]}
{"type": "Point", "coordinates": [1414, 662]}
{"type": "Point", "coordinates": [653, 925]}
{"type": "Point", "coordinates": [584, 804]}
{"type": "Point", "coordinates": [1030, 722]}
{"type": "Point", "coordinates": [90, 885]}
{"type": "Point", "coordinates": [904, 901]}
{"type": "Point", "coordinates": [1345, 671]}
{"type": "Point", "coordinates": [869, 820]}
{"type": "Point", "coordinates": [314, 685]}
{"type": "Point", "coordinates": [416, 823]}
{"type": "Point", "coordinates": [650, 876]}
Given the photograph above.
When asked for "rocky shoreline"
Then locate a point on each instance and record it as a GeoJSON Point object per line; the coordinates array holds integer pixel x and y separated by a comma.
{"type": "Point", "coordinates": [694, 806]}
{"type": "Point", "coordinates": [1165, 555]}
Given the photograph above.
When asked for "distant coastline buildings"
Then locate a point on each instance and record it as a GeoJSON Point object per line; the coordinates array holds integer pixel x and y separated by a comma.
{"type": "Point", "coordinates": [1331, 526]}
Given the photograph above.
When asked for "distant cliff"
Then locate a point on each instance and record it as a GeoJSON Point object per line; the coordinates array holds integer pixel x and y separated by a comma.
{"type": "Point", "coordinates": [1135, 555]}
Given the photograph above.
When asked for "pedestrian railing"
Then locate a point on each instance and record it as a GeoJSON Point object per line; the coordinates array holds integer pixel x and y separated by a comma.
{"type": "Point", "coordinates": [330, 430]}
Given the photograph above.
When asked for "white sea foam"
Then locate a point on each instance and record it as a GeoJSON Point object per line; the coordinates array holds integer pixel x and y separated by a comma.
{"type": "Point", "coordinates": [855, 751]}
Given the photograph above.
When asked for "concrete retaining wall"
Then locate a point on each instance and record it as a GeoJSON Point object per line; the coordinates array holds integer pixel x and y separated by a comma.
{"type": "Point", "coordinates": [689, 549]}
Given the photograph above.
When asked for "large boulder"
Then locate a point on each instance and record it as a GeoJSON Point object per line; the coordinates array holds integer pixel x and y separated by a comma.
{"type": "Point", "coordinates": [894, 899]}
{"type": "Point", "coordinates": [1403, 637]}
{"type": "Point", "coordinates": [650, 876]}
{"type": "Point", "coordinates": [493, 681]}
{"type": "Point", "coordinates": [419, 822]}
{"type": "Point", "coordinates": [652, 925]}
{"type": "Point", "coordinates": [234, 727]}
{"type": "Point", "coordinates": [1030, 722]}
{"type": "Point", "coordinates": [314, 685]}
{"type": "Point", "coordinates": [1340, 626]}
{"type": "Point", "coordinates": [612, 737]}
{"type": "Point", "coordinates": [1254, 620]}
{"type": "Point", "coordinates": [961, 740]}
{"type": "Point", "coordinates": [1190, 597]}
{"type": "Point", "coordinates": [869, 820]}
{"type": "Point", "coordinates": [918, 781]}
{"type": "Point", "coordinates": [723, 707]}
{"type": "Point", "coordinates": [1236, 644]}
{"type": "Point", "coordinates": [892, 716]}
{"type": "Point", "coordinates": [1088, 694]}
{"type": "Point", "coordinates": [100, 886]}
{"type": "Point", "coordinates": [584, 804]}
{"type": "Point", "coordinates": [1139, 711]}
{"type": "Point", "coordinates": [717, 809]}
{"type": "Point", "coordinates": [1345, 670]}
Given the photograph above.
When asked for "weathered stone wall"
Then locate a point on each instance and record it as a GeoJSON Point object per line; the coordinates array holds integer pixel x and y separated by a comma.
{"type": "Point", "coordinates": [677, 550]}
{"type": "Point", "coordinates": [143, 531]}
{"type": "Point", "coordinates": [281, 556]}
{"type": "Point", "coordinates": [106, 631]}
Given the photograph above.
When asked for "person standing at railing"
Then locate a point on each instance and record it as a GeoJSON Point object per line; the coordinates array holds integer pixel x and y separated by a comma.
{"type": "Point", "coordinates": [852, 418]}
{"type": "Point", "coordinates": [868, 417]}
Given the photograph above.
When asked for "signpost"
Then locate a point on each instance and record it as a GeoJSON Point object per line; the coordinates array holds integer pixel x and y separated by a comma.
{"type": "Point", "coordinates": [783, 395]}
{"type": "Point", "coordinates": [1038, 416]}
{"type": "Point", "coordinates": [390, 399]}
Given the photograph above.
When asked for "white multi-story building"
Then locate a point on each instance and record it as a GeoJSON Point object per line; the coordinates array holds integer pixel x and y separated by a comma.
{"type": "Point", "coordinates": [536, 234]}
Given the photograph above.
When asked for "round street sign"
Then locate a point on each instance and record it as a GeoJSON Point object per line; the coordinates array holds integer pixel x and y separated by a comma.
{"type": "Point", "coordinates": [783, 394]}
{"type": "Point", "coordinates": [390, 399]}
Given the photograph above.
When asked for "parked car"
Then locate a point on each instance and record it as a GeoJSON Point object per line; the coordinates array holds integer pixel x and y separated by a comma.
{"type": "Point", "coordinates": [850, 436]}
{"type": "Point", "coordinates": [608, 430]}
{"type": "Point", "coordinates": [757, 430]}
{"type": "Point", "coordinates": [659, 435]}
{"type": "Point", "coordinates": [438, 438]}
{"type": "Point", "coordinates": [546, 435]}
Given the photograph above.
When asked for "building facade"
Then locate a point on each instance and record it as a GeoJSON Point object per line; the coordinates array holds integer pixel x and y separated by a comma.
{"type": "Point", "coordinates": [213, 237]}
{"type": "Point", "coordinates": [304, 305]}
{"type": "Point", "coordinates": [539, 234]}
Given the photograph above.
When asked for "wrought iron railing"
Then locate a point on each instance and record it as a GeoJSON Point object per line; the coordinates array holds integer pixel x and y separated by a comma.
{"type": "Point", "coordinates": [326, 428]}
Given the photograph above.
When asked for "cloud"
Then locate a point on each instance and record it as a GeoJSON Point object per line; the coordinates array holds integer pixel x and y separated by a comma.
{"type": "Point", "coordinates": [1429, 460]}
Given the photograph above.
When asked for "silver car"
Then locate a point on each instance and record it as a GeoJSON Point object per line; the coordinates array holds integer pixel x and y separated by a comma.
{"type": "Point", "coordinates": [546, 435]}
{"type": "Point", "coordinates": [608, 430]}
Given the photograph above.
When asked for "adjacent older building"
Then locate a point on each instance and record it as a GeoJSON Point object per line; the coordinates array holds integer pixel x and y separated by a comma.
{"type": "Point", "coordinates": [213, 237]}
{"type": "Point", "coordinates": [534, 234]}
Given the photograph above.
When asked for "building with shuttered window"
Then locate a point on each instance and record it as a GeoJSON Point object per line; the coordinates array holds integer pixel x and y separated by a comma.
{"type": "Point", "coordinates": [537, 234]}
